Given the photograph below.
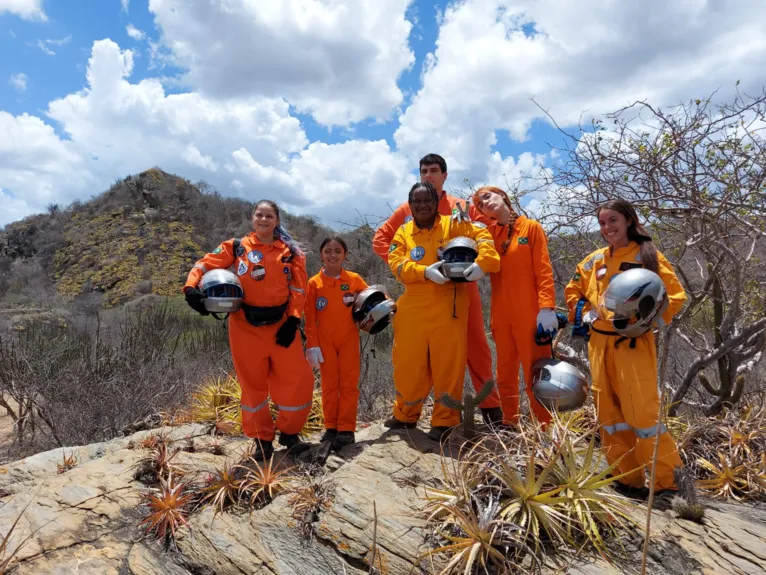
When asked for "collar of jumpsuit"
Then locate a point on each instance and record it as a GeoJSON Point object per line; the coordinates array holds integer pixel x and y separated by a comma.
{"type": "Point", "coordinates": [610, 264]}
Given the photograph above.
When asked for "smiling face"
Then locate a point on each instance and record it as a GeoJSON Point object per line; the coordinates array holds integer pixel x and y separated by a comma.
{"type": "Point", "coordinates": [333, 256]}
{"type": "Point", "coordinates": [265, 219]}
{"type": "Point", "coordinates": [614, 227]}
{"type": "Point", "coordinates": [433, 173]}
{"type": "Point", "coordinates": [423, 207]}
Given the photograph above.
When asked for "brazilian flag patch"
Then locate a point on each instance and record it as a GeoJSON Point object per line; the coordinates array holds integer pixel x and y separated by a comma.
{"type": "Point", "coordinates": [392, 248]}
{"type": "Point", "coordinates": [218, 250]}
{"type": "Point", "coordinates": [523, 241]}
{"type": "Point", "coordinates": [344, 287]}
{"type": "Point", "coordinates": [576, 278]}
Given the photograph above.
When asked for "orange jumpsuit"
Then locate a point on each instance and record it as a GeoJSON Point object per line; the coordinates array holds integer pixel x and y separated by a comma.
{"type": "Point", "coordinates": [330, 327]}
{"type": "Point", "coordinates": [520, 289]}
{"type": "Point", "coordinates": [430, 325]}
{"type": "Point", "coordinates": [270, 276]}
{"type": "Point", "coordinates": [625, 377]}
{"type": "Point", "coordinates": [480, 356]}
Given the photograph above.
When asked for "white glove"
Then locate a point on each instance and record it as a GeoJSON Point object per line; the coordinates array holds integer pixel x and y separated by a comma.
{"type": "Point", "coordinates": [434, 274]}
{"type": "Point", "coordinates": [474, 273]}
{"type": "Point", "coordinates": [590, 316]}
{"type": "Point", "coordinates": [314, 357]}
{"type": "Point", "coordinates": [461, 215]}
{"type": "Point", "coordinates": [548, 320]}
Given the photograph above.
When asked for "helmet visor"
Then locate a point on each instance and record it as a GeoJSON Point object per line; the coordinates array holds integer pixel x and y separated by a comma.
{"type": "Point", "coordinates": [224, 290]}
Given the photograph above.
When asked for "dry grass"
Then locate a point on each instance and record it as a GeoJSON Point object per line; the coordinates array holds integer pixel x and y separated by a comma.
{"type": "Point", "coordinates": [738, 440]}
{"type": "Point", "coordinates": [308, 497]}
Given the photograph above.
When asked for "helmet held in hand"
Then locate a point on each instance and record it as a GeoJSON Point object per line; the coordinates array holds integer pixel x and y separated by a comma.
{"type": "Point", "coordinates": [373, 309]}
{"type": "Point", "coordinates": [633, 301]}
{"type": "Point", "coordinates": [223, 291]}
{"type": "Point", "coordinates": [458, 255]}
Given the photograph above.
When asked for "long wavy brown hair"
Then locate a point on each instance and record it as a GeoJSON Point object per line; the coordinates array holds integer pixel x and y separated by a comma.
{"type": "Point", "coordinates": [507, 201]}
{"type": "Point", "coordinates": [636, 232]}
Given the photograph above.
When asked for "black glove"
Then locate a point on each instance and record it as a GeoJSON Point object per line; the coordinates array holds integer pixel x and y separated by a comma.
{"type": "Point", "coordinates": [286, 332]}
{"type": "Point", "coordinates": [196, 300]}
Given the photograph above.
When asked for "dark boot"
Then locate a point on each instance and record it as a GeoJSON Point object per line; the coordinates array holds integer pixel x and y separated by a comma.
{"type": "Point", "coordinates": [329, 435]}
{"type": "Point", "coordinates": [263, 451]}
{"type": "Point", "coordinates": [439, 433]}
{"type": "Point", "coordinates": [492, 415]}
{"type": "Point", "coordinates": [293, 443]}
{"type": "Point", "coordinates": [393, 423]}
{"type": "Point", "coordinates": [639, 493]}
{"type": "Point", "coordinates": [343, 439]}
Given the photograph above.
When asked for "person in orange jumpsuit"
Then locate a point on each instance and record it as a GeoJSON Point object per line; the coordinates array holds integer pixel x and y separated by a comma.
{"type": "Point", "coordinates": [332, 340]}
{"type": "Point", "coordinates": [268, 359]}
{"type": "Point", "coordinates": [430, 326]}
{"type": "Point", "coordinates": [523, 298]}
{"type": "Point", "coordinates": [433, 169]}
{"type": "Point", "coordinates": [624, 374]}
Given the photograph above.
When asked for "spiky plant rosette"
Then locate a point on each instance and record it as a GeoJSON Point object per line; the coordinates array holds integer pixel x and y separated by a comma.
{"type": "Point", "coordinates": [738, 440]}
{"type": "Point", "coordinates": [166, 509]}
{"type": "Point", "coordinates": [263, 481]}
{"type": "Point", "coordinates": [217, 401]}
{"type": "Point", "coordinates": [548, 489]}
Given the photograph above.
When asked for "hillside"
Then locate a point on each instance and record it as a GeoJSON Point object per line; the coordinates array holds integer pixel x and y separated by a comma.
{"type": "Point", "coordinates": [139, 237]}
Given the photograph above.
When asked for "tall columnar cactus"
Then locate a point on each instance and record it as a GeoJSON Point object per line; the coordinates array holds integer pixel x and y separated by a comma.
{"type": "Point", "coordinates": [468, 407]}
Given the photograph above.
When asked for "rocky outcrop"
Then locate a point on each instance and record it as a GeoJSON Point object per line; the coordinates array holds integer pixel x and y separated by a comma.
{"type": "Point", "coordinates": [85, 519]}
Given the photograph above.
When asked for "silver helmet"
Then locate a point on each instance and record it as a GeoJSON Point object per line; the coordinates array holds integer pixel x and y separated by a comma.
{"type": "Point", "coordinates": [633, 301]}
{"type": "Point", "coordinates": [458, 255]}
{"type": "Point", "coordinates": [373, 309]}
{"type": "Point", "coordinates": [223, 291]}
{"type": "Point", "coordinates": [558, 386]}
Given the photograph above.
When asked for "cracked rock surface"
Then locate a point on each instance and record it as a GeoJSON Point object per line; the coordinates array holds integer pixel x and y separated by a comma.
{"type": "Point", "coordinates": [85, 520]}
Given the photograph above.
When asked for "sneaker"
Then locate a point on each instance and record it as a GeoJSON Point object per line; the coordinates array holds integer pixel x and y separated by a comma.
{"type": "Point", "coordinates": [439, 433]}
{"type": "Point", "coordinates": [492, 415]}
{"type": "Point", "coordinates": [394, 423]}
{"type": "Point", "coordinates": [329, 435]}
{"type": "Point", "coordinates": [343, 439]}
{"type": "Point", "coordinates": [293, 443]}
{"type": "Point", "coordinates": [629, 491]}
{"type": "Point", "coordinates": [263, 450]}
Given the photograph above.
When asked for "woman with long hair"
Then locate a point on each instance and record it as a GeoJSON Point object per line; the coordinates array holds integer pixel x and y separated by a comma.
{"type": "Point", "coordinates": [523, 298]}
{"type": "Point", "coordinates": [268, 358]}
{"type": "Point", "coordinates": [624, 373]}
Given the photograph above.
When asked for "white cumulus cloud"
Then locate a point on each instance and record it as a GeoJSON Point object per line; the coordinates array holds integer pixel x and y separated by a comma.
{"type": "Point", "coordinates": [26, 9]}
{"type": "Point", "coordinates": [492, 58]}
{"type": "Point", "coordinates": [339, 61]}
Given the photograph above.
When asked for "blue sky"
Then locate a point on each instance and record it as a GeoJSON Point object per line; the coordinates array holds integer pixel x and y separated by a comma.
{"type": "Point", "coordinates": [329, 113]}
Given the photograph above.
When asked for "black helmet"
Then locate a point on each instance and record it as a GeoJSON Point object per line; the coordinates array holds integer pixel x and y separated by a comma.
{"type": "Point", "coordinates": [458, 255]}
{"type": "Point", "coordinates": [373, 309]}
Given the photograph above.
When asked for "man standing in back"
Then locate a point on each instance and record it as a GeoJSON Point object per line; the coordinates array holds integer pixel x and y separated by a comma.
{"type": "Point", "coordinates": [433, 169]}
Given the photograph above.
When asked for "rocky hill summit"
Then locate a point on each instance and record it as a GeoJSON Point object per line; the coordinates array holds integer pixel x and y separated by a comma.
{"type": "Point", "coordinates": [84, 517]}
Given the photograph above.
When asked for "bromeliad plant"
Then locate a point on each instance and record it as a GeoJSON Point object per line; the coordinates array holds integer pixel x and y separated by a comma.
{"type": "Point", "coordinates": [168, 508]}
{"type": "Point", "coordinates": [522, 494]}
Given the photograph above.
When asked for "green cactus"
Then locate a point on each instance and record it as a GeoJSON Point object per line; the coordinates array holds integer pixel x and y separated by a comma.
{"type": "Point", "coordinates": [468, 407]}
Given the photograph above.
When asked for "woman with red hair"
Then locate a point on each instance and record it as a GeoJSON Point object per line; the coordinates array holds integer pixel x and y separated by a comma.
{"type": "Point", "coordinates": [523, 298]}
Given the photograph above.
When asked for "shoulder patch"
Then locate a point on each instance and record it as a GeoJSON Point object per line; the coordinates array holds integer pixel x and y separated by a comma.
{"type": "Point", "coordinates": [218, 250]}
{"type": "Point", "coordinates": [576, 277]}
{"type": "Point", "coordinates": [417, 253]}
{"type": "Point", "coordinates": [391, 248]}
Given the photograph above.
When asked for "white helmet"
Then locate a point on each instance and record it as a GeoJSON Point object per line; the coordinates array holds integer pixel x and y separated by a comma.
{"type": "Point", "coordinates": [458, 255]}
{"type": "Point", "coordinates": [223, 291]}
{"type": "Point", "coordinates": [373, 309]}
{"type": "Point", "coordinates": [558, 386]}
{"type": "Point", "coordinates": [633, 300]}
